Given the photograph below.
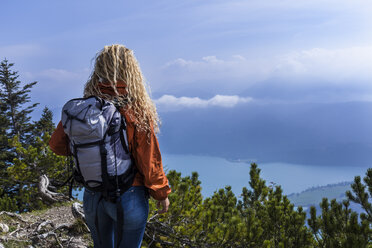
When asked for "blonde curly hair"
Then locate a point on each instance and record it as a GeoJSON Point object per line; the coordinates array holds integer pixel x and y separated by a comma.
{"type": "Point", "coordinates": [117, 63]}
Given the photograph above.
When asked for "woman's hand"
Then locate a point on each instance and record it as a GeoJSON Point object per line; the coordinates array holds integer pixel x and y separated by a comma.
{"type": "Point", "coordinates": [164, 205]}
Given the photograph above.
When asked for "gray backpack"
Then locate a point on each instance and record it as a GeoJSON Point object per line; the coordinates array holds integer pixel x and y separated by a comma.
{"type": "Point", "coordinates": [98, 142]}
{"type": "Point", "coordinates": [99, 145]}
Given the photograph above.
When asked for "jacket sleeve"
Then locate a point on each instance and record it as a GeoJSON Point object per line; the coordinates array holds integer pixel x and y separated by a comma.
{"type": "Point", "coordinates": [146, 154]}
{"type": "Point", "coordinates": [59, 141]}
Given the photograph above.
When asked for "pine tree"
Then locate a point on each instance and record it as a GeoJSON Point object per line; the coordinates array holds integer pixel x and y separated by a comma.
{"type": "Point", "coordinates": [6, 201]}
{"type": "Point", "coordinates": [14, 97]}
{"type": "Point", "coordinates": [43, 126]}
{"type": "Point", "coordinates": [35, 160]}
{"type": "Point", "coordinates": [5, 155]}
{"type": "Point", "coordinates": [262, 218]}
{"type": "Point", "coordinates": [270, 219]}
{"type": "Point", "coordinates": [338, 226]}
{"type": "Point", "coordinates": [15, 122]}
{"type": "Point", "coordinates": [362, 194]}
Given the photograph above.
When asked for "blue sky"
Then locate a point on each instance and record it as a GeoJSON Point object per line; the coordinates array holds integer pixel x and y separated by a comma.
{"type": "Point", "coordinates": [197, 48]}
{"type": "Point", "coordinates": [198, 54]}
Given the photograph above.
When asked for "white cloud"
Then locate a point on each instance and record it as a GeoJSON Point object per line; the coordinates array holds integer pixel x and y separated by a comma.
{"type": "Point", "coordinates": [169, 102]}
{"type": "Point", "coordinates": [312, 75]}
{"type": "Point", "coordinates": [332, 65]}
{"type": "Point", "coordinates": [212, 68]}
{"type": "Point", "coordinates": [353, 63]}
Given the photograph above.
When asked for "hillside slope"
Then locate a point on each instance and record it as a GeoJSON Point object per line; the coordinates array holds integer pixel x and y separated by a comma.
{"type": "Point", "coordinates": [52, 227]}
{"type": "Point", "coordinates": [314, 195]}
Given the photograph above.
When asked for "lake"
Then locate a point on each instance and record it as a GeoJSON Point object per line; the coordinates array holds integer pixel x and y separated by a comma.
{"type": "Point", "coordinates": [215, 173]}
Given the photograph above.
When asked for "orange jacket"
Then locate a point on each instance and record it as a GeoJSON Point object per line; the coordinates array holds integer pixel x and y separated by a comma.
{"type": "Point", "coordinates": [143, 147]}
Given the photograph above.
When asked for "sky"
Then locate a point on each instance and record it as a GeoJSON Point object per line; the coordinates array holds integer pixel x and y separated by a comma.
{"type": "Point", "coordinates": [202, 55]}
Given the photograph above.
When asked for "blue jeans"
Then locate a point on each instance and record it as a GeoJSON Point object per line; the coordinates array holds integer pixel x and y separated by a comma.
{"type": "Point", "coordinates": [136, 209]}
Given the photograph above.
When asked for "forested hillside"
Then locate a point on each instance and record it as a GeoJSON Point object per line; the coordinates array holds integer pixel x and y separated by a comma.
{"type": "Point", "coordinates": [314, 195]}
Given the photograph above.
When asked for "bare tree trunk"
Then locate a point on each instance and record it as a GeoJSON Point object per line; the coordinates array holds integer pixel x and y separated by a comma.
{"type": "Point", "coordinates": [46, 194]}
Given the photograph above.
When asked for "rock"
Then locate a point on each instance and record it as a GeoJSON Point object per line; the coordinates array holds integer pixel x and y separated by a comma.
{"type": "Point", "coordinates": [4, 228]}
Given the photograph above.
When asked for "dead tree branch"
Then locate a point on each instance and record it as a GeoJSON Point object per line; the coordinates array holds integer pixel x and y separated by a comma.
{"type": "Point", "coordinates": [46, 194]}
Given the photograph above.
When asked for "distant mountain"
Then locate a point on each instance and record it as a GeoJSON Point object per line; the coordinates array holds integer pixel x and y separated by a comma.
{"type": "Point", "coordinates": [314, 196]}
{"type": "Point", "coordinates": [336, 134]}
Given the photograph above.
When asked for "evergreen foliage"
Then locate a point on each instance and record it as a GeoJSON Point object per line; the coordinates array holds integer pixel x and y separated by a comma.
{"type": "Point", "coordinates": [45, 125]}
{"type": "Point", "coordinates": [362, 194]}
{"type": "Point", "coordinates": [15, 122]}
{"type": "Point", "coordinates": [5, 155]}
{"type": "Point", "coordinates": [261, 217]}
{"type": "Point", "coordinates": [14, 97]}
{"type": "Point", "coordinates": [32, 162]}
{"type": "Point", "coordinates": [24, 152]}
{"type": "Point", "coordinates": [338, 226]}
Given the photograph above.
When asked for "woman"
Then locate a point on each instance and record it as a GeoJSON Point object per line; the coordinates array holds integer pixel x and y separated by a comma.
{"type": "Point", "coordinates": [118, 78]}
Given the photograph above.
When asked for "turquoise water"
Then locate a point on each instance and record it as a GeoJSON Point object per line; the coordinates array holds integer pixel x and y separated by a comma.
{"type": "Point", "coordinates": [216, 173]}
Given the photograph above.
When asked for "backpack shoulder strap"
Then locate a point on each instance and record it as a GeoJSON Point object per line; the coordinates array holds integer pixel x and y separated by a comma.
{"type": "Point", "coordinates": [124, 141]}
{"type": "Point", "coordinates": [123, 128]}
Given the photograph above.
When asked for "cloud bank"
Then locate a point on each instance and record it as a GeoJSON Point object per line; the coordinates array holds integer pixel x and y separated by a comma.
{"type": "Point", "coordinates": [331, 64]}
{"type": "Point", "coordinates": [236, 67]}
{"type": "Point", "coordinates": [169, 102]}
